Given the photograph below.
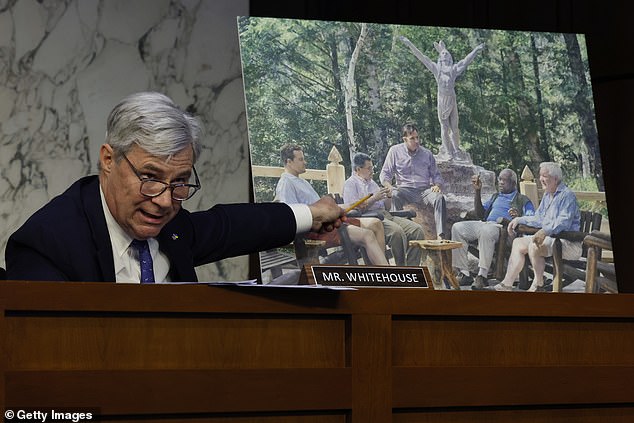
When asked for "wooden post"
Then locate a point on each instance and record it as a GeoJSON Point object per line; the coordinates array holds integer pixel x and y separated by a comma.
{"type": "Point", "coordinates": [591, 270]}
{"type": "Point", "coordinates": [336, 172]}
{"type": "Point", "coordinates": [528, 187]}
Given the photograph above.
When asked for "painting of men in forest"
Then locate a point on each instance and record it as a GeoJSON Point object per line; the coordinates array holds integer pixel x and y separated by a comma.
{"type": "Point", "coordinates": [516, 99]}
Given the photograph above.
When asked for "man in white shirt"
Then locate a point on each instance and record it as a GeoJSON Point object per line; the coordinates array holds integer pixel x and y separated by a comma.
{"type": "Point", "coordinates": [398, 230]}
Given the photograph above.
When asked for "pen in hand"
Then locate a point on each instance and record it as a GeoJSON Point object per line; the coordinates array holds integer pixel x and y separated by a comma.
{"type": "Point", "coordinates": [358, 203]}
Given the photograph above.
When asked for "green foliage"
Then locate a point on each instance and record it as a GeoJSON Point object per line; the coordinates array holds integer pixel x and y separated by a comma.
{"type": "Point", "coordinates": [519, 102]}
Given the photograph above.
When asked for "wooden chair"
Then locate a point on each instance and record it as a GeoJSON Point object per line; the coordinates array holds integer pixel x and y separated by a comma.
{"type": "Point", "coordinates": [600, 275]}
{"type": "Point", "coordinates": [316, 250]}
{"type": "Point", "coordinates": [502, 248]}
{"type": "Point", "coordinates": [564, 271]}
{"type": "Point", "coordinates": [275, 261]}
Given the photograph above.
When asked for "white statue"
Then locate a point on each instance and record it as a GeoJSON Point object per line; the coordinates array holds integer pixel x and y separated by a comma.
{"type": "Point", "coordinates": [446, 72]}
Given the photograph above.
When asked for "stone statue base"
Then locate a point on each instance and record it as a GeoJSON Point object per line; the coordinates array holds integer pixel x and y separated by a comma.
{"type": "Point", "coordinates": [459, 156]}
{"type": "Point", "coordinates": [458, 190]}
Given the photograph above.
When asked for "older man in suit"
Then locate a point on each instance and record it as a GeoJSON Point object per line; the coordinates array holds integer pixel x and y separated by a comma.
{"type": "Point", "coordinates": [127, 223]}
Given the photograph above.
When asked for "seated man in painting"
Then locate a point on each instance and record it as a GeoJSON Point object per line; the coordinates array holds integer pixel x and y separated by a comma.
{"type": "Point", "coordinates": [507, 203]}
{"type": "Point", "coordinates": [292, 189]}
{"type": "Point", "coordinates": [398, 230]}
{"type": "Point", "coordinates": [417, 177]}
{"type": "Point", "coordinates": [558, 211]}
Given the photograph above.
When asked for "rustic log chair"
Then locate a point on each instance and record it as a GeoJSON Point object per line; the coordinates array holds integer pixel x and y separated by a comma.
{"type": "Point", "coordinates": [564, 271]}
{"type": "Point", "coordinates": [276, 260]}
{"type": "Point", "coordinates": [600, 275]}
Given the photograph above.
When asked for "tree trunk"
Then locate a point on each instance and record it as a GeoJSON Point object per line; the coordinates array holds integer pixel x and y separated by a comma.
{"type": "Point", "coordinates": [542, 139]}
{"type": "Point", "coordinates": [349, 90]}
{"type": "Point", "coordinates": [525, 123]}
{"type": "Point", "coordinates": [508, 149]}
{"type": "Point", "coordinates": [379, 147]}
{"type": "Point", "coordinates": [338, 88]}
{"type": "Point", "coordinates": [584, 108]}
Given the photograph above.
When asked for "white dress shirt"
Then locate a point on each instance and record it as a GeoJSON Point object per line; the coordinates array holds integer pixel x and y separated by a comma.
{"type": "Point", "coordinates": [127, 268]}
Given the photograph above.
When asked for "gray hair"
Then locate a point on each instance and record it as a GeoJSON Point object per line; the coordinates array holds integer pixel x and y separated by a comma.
{"type": "Point", "coordinates": [553, 169]}
{"type": "Point", "coordinates": [152, 121]}
{"type": "Point", "coordinates": [512, 173]}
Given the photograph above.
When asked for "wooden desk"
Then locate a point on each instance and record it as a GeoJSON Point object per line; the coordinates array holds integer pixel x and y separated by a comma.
{"type": "Point", "coordinates": [442, 250]}
{"type": "Point", "coordinates": [279, 355]}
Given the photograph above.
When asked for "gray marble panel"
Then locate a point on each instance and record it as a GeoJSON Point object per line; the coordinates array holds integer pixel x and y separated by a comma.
{"type": "Point", "coordinates": [65, 63]}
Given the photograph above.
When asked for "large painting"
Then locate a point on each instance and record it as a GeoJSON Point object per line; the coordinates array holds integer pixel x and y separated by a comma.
{"type": "Point", "coordinates": [327, 102]}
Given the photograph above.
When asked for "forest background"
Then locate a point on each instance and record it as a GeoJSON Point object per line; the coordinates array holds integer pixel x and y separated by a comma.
{"type": "Point", "coordinates": [525, 99]}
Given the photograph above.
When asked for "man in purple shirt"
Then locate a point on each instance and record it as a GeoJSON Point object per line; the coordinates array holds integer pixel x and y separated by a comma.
{"type": "Point", "coordinates": [398, 230]}
{"type": "Point", "coordinates": [558, 211]}
{"type": "Point", "coordinates": [417, 177]}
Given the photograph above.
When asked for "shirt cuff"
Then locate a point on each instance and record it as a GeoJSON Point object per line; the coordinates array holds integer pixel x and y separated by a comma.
{"type": "Point", "coordinates": [303, 217]}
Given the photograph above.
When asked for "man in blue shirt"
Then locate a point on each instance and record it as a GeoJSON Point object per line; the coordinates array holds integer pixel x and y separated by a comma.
{"type": "Point", "coordinates": [558, 211]}
{"type": "Point", "coordinates": [507, 203]}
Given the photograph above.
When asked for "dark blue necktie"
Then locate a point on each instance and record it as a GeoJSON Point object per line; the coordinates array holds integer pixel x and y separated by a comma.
{"type": "Point", "coordinates": [145, 258]}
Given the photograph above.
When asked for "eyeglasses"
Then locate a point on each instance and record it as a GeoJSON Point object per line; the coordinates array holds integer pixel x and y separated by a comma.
{"type": "Point", "coordinates": [153, 187]}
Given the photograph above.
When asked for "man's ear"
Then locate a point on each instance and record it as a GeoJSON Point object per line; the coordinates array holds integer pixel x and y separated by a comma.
{"type": "Point", "coordinates": [106, 158]}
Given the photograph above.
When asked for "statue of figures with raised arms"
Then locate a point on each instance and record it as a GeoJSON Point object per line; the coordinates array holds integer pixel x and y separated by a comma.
{"type": "Point", "coordinates": [446, 73]}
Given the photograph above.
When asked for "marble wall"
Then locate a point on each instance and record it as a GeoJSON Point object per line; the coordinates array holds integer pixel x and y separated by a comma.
{"type": "Point", "coordinates": [65, 63]}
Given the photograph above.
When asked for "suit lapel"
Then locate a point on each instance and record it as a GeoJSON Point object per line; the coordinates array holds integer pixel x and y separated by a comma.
{"type": "Point", "coordinates": [176, 248]}
{"type": "Point", "coordinates": [97, 221]}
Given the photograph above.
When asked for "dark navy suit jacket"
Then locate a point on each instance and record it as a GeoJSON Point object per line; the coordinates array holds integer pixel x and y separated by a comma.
{"type": "Point", "coordinates": [67, 239]}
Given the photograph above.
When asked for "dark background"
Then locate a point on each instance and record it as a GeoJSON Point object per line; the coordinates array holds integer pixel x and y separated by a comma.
{"type": "Point", "coordinates": [609, 29]}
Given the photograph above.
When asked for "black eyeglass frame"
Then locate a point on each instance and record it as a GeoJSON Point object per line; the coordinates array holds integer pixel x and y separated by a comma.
{"type": "Point", "coordinates": [143, 180]}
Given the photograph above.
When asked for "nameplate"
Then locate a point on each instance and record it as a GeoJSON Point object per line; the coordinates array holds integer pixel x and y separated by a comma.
{"type": "Point", "coordinates": [376, 276]}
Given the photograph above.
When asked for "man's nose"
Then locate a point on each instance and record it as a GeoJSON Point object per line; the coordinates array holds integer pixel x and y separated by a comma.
{"type": "Point", "coordinates": [164, 200]}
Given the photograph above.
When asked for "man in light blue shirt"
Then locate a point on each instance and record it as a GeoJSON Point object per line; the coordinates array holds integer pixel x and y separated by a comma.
{"type": "Point", "coordinates": [417, 177]}
{"type": "Point", "coordinates": [558, 211]}
{"type": "Point", "coordinates": [507, 203]}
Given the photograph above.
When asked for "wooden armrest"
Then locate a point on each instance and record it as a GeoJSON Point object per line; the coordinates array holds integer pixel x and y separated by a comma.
{"type": "Point", "coordinates": [408, 214]}
{"type": "Point", "coordinates": [601, 235]}
{"type": "Point", "coordinates": [592, 240]}
{"type": "Point", "coordinates": [525, 229]}
{"type": "Point", "coordinates": [574, 236]}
